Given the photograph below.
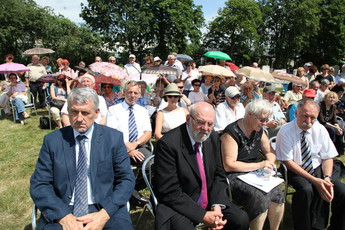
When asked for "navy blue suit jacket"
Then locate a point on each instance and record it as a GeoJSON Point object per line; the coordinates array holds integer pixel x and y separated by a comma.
{"type": "Point", "coordinates": [53, 181]}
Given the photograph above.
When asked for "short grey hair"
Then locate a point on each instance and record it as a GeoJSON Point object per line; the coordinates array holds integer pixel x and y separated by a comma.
{"type": "Point", "coordinates": [309, 101]}
{"type": "Point", "coordinates": [131, 83]}
{"type": "Point", "coordinates": [81, 96]}
{"type": "Point", "coordinates": [258, 107]}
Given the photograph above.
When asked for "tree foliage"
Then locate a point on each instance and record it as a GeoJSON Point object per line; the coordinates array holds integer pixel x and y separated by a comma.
{"type": "Point", "coordinates": [235, 30]}
{"type": "Point", "coordinates": [25, 25]}
{"type": "Point", "coordinates": [288, 26]}
{"type": "Point", "coordinates": [145, 26]}
{"type": "Point", "coordinates": [328, 46]}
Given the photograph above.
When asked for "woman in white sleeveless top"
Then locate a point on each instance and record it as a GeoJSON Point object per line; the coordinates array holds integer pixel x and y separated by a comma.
{"type": "Point", "coordinates": [171, 116]}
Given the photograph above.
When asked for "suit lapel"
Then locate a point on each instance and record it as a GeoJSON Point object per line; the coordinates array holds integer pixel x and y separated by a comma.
{"type": "Point", "coordinates": [207, 157]}
{"type": "Point", "coordinates": [69, 154]}
{"type": "Point", "coordinates": [188, 150]}
{"type": "Point", "coordinates": [96, 149]}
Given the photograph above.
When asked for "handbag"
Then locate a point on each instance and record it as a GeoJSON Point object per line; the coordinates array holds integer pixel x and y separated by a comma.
{"type": "Point", "coordinates": [44, 123]}
{"type": "Point", "coordinates": [56, 103]}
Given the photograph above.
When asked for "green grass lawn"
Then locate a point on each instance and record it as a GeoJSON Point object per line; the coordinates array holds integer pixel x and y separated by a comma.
{"type": "Point", "coordinates": [19, 151]}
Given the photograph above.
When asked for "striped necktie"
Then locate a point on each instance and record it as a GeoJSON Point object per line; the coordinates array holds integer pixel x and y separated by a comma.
{"type": "Point", "coordinates": [132, 126]}
{"type": "Point", "coordinates": [80, 192]}
{"type": "Point", "coordinates": [203, 198]}
{"type": "Point", "coordinates": [307, 163]}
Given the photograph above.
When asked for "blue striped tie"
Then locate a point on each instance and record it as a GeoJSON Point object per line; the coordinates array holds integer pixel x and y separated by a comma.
{"type": "Point", "coordinates": [80, 192]}
{"type": "Point", "coordinates": [132, 126]}
{"type": "Point", "coordinates": [307, 163]}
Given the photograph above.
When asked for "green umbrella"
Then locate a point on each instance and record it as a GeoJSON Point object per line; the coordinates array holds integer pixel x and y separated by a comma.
{"type": "Point", "coordinates": [218, 55]}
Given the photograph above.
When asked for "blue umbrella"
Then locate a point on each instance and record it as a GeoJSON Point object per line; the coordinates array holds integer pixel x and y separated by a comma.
{"type": "Point", "coordinates": [186, 57]}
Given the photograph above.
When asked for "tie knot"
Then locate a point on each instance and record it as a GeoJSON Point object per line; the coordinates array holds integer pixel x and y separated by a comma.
{"type": "Point", "coordinates": [81, 138]}
{"type": "Point", "coordinates": [304, 133]}
{"type": "Point", "coordinates": [196, 145]}
{"type": "Point", "coordinates": [130, 107]}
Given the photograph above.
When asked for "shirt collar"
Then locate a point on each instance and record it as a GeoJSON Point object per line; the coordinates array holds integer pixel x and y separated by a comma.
{"type": "Point", "coordinates": [299, 130]}
{"type": "Point", "coordinates": [88, 133]}
{"type": "Point", "coordinates": [191, 138]}
{"type": "Point", "coordinates": [126, 106]}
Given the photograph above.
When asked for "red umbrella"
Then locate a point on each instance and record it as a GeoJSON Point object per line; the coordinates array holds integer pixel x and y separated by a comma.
{"type": "Point", "coordinates": [100, 78]}
{"type": "Point", "coordinates": [232, 66]}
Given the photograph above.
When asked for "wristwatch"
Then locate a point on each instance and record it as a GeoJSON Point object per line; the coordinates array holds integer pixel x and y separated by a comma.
{"type": "Point", "coordinates": [138, 142]}
{"type": "Point", "coordinates": [324, 177]}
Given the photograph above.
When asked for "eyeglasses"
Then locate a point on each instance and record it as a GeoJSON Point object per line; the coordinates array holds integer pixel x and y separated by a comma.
{"type": "Point", "coordinates": [236, 97]}
{"type": "Point", "coordinates": [263, 120]}
{"type": "Point", "coordinates": [173, 96]}
{"type": "Point", "coordinates": [203, 123]}
{"type": "Point", "coordinates": [62, 80]}
{"type": "Point", "coordinates": [198, 85]}
{"type": "Point", "coordinates": [180, 87]}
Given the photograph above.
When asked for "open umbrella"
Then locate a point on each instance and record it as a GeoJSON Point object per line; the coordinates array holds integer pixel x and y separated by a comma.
{"type": "Point", "coordinates": [185, 57]}
{"type": "Point", "coordinates": [162, 69]}
{"type": "Point", "coordinates": [50, 78]}
{"type": "Point", "coordinates": [218, 55]}
{"type": "Point", "coordinates": [148, 78]}
{"type": "Point", "coordinates": [216, 70]}
{"type": "Point", "coordinates": [255, 74]}
{"type": "Point", "coordinates": [38, 51]}
{"type": "Point", "coordinates": [12, 67]}
{"type": "Point", "coordinates": [100, 78]}
{"type": "Point", "coordinates": [109, 69]}
{"type": "Point", "coordinates": [232, 66]}
{"type": "Point", "coordinates": [288, 77]}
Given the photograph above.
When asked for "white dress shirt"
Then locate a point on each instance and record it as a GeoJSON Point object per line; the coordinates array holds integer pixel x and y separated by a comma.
{"type": "Point", "coordinates": [288, 145]}
{"type": "Point", "coordinates": [88, 134]}
{"type": "Point", "coordinates": [118, 115]}
{"type": "Point", "coordinates": [225, 115]}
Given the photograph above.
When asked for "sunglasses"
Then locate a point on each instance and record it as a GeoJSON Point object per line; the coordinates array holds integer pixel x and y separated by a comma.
{"type": "Point", "coordinates": [180, 87]}
{"type": "Point", "coordinates": [173, 96]}
{"type": "Point", "coordinates": [236, 97]}
{"type": "Point", "coordinates": [197, 85]}
{"type": "Point", "coordinates": [263, 120]}
{"type": "Point", "coordinates": [62, 80]}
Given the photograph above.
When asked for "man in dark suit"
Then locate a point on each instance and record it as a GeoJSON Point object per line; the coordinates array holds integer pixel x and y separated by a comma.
{"type": "Point", "coordinates": [189, 181]}
{"type": "Point", "coordinates": [83, 176]}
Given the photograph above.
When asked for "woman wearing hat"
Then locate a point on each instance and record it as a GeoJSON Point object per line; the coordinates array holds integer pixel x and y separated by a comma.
{"type": "Point", "coordinates": [66, 70]}
{"type": "Point", "coordinates": [171, 116]}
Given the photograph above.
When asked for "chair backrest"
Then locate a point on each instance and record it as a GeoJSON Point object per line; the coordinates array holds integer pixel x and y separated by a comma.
{"type": "Point", "coordinates": [146, 170]}
{"type": "Point", "coordinates": [273, 142]}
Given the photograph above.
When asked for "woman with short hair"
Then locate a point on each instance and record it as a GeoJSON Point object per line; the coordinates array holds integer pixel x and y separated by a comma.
{"type": "Point", "coordinates": [241, 143]}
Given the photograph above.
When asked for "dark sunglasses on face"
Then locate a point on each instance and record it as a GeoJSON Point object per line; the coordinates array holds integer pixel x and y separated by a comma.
{"type": "Point", "coordinates": [173, 96]}
{"type": "Point", "coordinates": [236, 97]}
{"type": "Point", "coordinates": [62, 80]}
{"type": "Point", "coordinates": [180, 87]}
{"type": "Point", "coordinates": [198, 85]}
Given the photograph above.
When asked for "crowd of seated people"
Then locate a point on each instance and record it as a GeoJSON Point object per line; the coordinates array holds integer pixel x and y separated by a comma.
{"type": "Point", "coordinates": [246, 115]}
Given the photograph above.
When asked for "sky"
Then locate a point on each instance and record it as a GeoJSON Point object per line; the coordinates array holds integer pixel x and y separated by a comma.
{"type": "Point", "coordinates": [71, 9]}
